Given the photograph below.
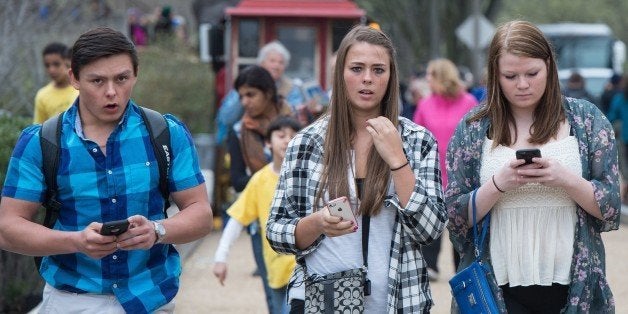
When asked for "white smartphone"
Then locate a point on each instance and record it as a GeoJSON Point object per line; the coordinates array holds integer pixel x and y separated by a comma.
{"type": "Point", "coordinates": [341, 207]}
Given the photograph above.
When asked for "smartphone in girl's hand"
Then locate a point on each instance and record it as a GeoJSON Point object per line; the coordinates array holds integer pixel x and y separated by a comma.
{"type": "Point", "coordinates": [341, 207]}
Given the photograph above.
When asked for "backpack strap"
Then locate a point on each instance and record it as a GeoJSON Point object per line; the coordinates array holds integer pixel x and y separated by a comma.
{"type": "Point", "coordinates": [49, 137]}
{"type": "Point", "coordinates": [160, 138]}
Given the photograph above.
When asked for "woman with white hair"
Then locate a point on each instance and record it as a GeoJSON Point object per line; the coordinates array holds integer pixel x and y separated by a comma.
{"type": "Point", "coordinates": [274, 57]}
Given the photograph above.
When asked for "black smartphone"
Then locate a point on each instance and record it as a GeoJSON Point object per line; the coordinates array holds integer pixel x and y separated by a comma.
{"type": "Point", "coordinates": [115, 228]}
{"type": "Point", "coordinates": [527, 154]}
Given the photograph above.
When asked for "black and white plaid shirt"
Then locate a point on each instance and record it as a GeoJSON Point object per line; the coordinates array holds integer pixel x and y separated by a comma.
{"type": "Point", "coordinates": [421, 221]}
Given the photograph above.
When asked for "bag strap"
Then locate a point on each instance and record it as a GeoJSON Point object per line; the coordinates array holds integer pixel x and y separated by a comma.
{"type": "Point", "coordinates": [49, 137]}
{"type": "Point", "coordinates": [160, 139]}
{"type": "Point", "coordinates": [479, 242]}
{"type": "Point", "coordinates": [366, 223]}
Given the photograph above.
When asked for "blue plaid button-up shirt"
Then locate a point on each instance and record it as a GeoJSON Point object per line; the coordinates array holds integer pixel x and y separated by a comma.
{"type": "Point", "coordinates": [94, 186]}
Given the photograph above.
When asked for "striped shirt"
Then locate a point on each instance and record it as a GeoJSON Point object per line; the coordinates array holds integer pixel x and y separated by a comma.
{"type": "Point", "coordinates": [94, 186]}
{"type": "Point", "coordinates": [421, 221]}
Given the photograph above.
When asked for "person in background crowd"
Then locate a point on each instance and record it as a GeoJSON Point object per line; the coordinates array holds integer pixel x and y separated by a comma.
{"type": "Point", "coordinates": [544, 249]}
{"type": "Point", "coordinates": [58, 95]}
{"type": "Point", "coordinates": [619, 112]}
{"type": "Point", "coordinates": [273, 57]}
{"type": "Point", "coordinates": [245, 143]}
{"type": "Point", "coordinates": [164, 25]}
{"type": "Point", "coordinates": [332, 66]}
{"type": "Point", "coordinates": [440, 112]}
{"type": "Point", "coordinates": [418, 89]}
{"type": "Point", "coordinates": [253, 204]}
{"type": "Point", "coordinates": [137, 27]}
{"type": "Point", "coordinates": [384, 164]}
{"type": "Point", "coordinates": [576, 88]}
{"type": "Point", "coordinates": [612, 88]}
{"type": "Point", "coordinates": [479, 91]}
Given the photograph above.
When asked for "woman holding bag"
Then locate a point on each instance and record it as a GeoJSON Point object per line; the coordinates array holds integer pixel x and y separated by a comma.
{"type": "Point", "coordinates": [388, 168]}
{"type": "Point", "coordinates": [545, 253]}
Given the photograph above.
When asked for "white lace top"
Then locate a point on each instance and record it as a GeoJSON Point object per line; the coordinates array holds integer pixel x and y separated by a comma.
{"type": "Point", "coordinates": [532, 227]}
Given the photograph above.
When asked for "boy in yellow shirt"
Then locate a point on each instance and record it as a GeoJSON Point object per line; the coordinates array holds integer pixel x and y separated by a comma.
{"type": "Point", "coordinates": [58, 95]}
{"type": "Point", "coordinates": [254, 204]}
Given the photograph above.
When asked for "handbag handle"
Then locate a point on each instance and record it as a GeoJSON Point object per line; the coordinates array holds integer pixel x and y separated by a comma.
{"type": "Point", "coordinates": [479, 243]}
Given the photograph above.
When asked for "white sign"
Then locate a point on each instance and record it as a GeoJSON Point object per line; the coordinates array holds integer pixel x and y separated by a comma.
{"type": "Point", "coordinates": [465, 32]}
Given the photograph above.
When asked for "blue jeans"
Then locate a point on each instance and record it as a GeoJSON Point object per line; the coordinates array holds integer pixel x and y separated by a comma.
{"type": "Point", "coordinates": [256, 242]}
{"type": "Point", "coordinates": [279, 299]}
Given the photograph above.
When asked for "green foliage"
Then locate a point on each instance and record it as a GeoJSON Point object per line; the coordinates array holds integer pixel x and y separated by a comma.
{"type": "Point", "coordinates": [10, 128]}
{"type": "Point", "coordinates": [20, 284]}
{"type": "Point", "coordinates": [171, 79]}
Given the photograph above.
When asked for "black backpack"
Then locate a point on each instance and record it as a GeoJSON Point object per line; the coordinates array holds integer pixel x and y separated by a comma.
{"type": "Point", "coordinates": [50, 135]}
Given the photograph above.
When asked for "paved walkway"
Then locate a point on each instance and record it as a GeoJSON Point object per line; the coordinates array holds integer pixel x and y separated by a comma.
{"type": "Point", "coordinates": [243, 293]}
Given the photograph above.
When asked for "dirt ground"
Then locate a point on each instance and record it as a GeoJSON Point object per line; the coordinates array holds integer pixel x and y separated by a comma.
{"type": "Point", "coordinates": [201, 293]}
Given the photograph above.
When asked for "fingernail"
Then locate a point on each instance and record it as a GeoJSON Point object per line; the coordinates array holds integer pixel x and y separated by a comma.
{"type": "Point", "coordinates": [355, 228]}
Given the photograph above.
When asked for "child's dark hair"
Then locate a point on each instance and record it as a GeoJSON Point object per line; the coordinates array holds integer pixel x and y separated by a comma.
{"type": "Point", "coordinates": [100, 43]}
{"type": "Point", "coordinates": [56, 48]}
{"type": "Point", "coordinates": [282, 122]}
{"type": "Point", "coordinates": [257, 77]}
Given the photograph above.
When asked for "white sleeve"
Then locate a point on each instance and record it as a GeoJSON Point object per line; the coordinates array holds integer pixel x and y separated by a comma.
{"type": "Point", "coordinates": [229, 235]}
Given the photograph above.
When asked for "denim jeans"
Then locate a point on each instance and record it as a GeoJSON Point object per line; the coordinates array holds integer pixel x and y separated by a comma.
{"type": "Point", "coordinates": [256, 242]}
{"type": "Point", "coordinates": [280, 300]}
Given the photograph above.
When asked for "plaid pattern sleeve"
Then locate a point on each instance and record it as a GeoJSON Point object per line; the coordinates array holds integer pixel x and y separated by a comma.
{"type": "Point", "coordinates": [422, 220]}
{"type": "Point", "coordinates": [298, 181]}
{"type": "Point", "coordinates": [424, 217]}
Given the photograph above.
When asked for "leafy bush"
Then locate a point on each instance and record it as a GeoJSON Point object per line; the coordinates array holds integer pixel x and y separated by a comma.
{"type": "Point", "coordinates": [20, 283]}
{"type": "Point", "coordinates": [173, 80]}
{"type": "Point", "coordinates": [10, 128]}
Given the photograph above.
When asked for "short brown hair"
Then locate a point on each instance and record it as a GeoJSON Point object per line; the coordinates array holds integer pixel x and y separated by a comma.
{"type": "Point", "coordinates": [98, 43]}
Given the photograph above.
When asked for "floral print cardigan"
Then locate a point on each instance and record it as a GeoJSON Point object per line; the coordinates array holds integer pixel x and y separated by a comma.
{"type": "Point", "coordinates": [589, 290]}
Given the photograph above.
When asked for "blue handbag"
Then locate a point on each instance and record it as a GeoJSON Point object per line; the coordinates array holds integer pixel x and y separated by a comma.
{"type": "Point", "coordinates": [470, 286]}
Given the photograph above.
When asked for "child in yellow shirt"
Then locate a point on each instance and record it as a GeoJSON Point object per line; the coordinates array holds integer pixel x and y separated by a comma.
{"type": "Point", "coordinates": [58, 95]}
{"type": "Point", "coordinates": [254, 204]}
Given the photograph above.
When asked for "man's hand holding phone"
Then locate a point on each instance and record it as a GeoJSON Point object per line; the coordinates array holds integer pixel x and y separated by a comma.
{"type": "Point", "coordinates": [114, 228]}
{"type": "Point", "coordinates": [133, 233]}
{"type": "Point", "coordinates": [339, 218]}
